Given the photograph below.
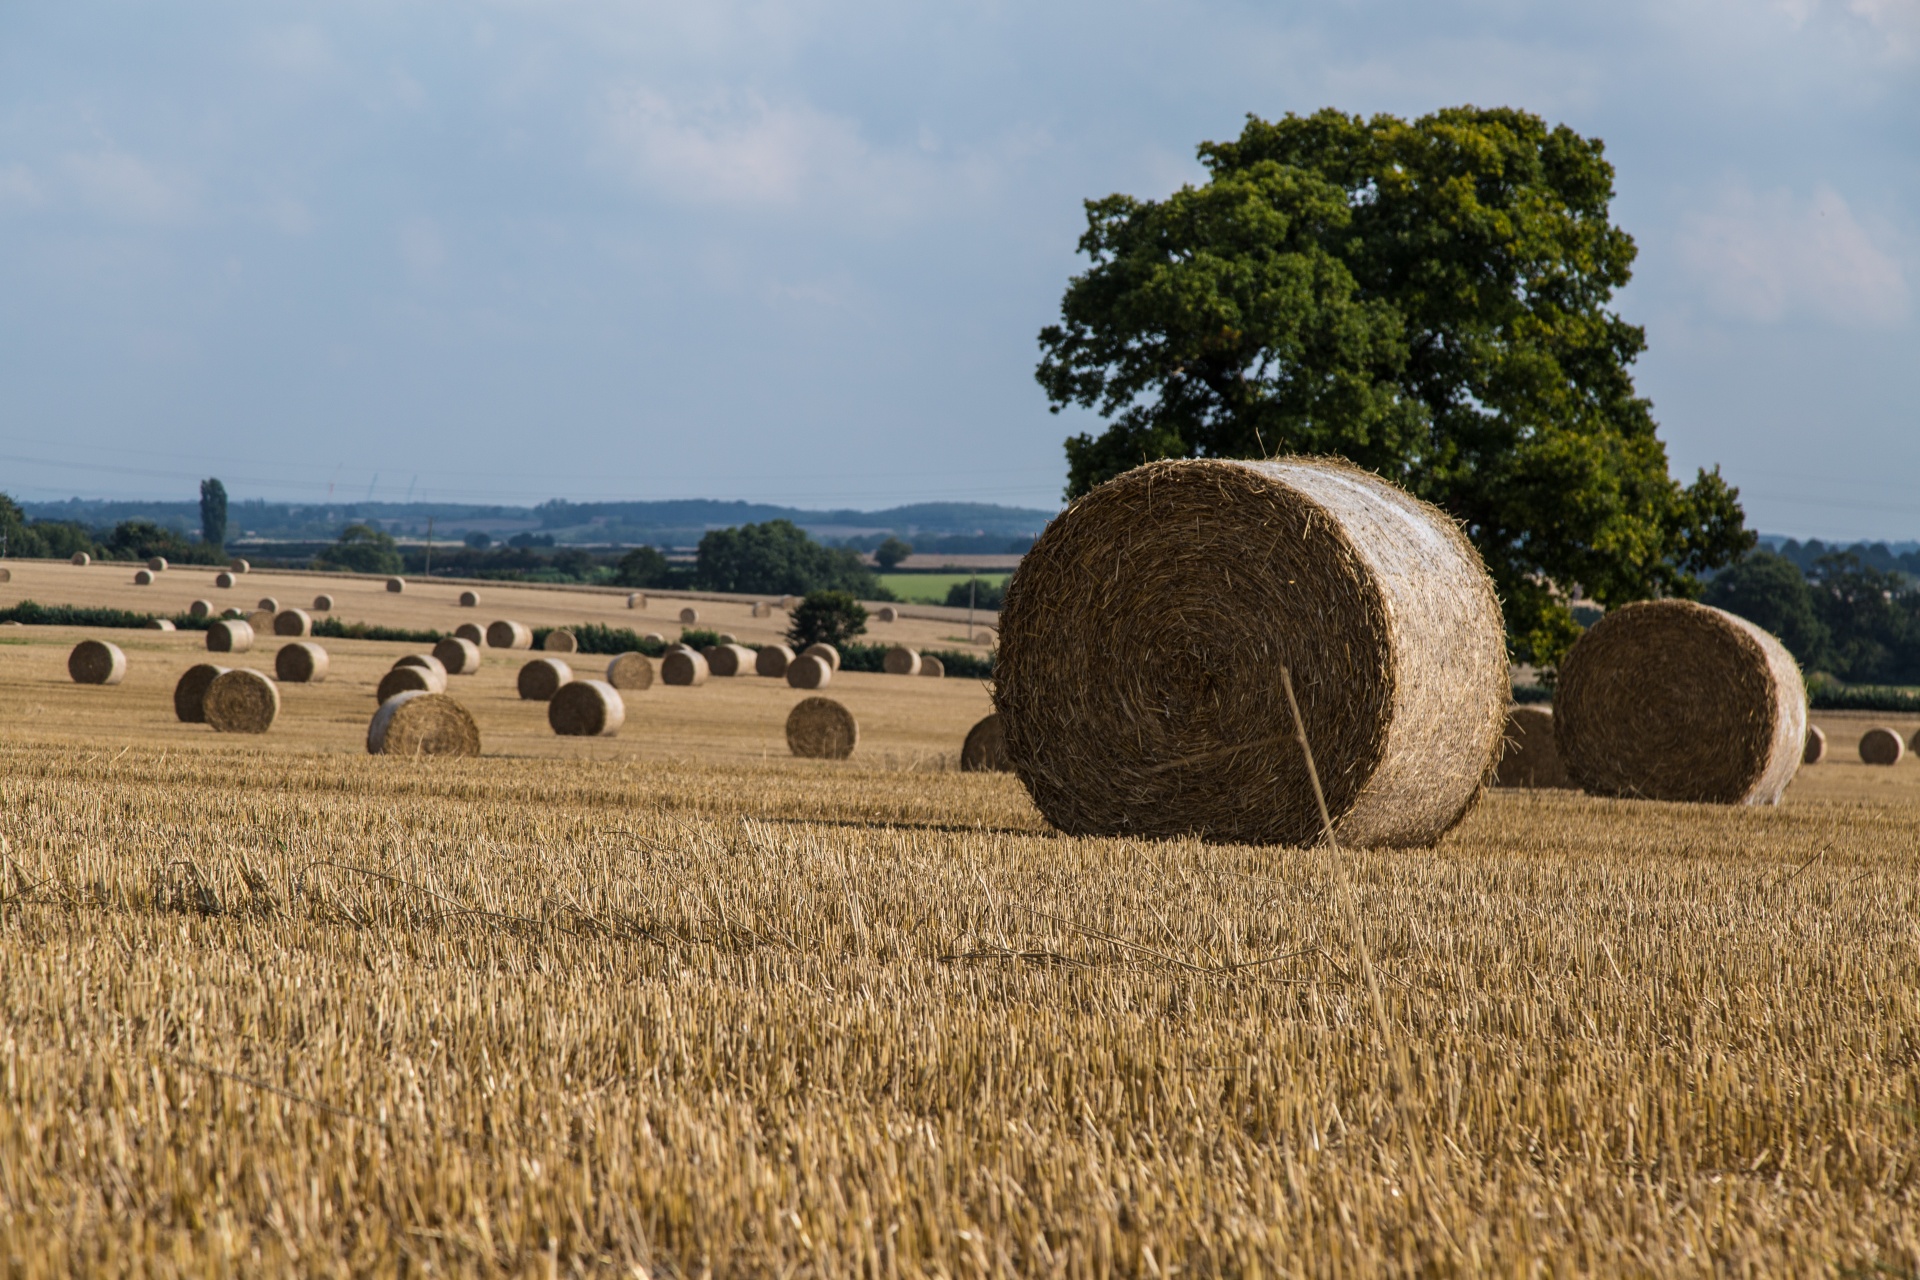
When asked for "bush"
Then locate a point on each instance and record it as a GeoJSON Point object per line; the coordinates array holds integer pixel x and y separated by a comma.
{"type": "Point", "coordinates": [778, 558]}
{"type": "Point", "coordinates": [827, 617]}
{"type": "Point", "coordinates": [642, 567]}
{"type": "Point", "coordinates": [596, 638]}
{"type": "Point", "coordinates": [984, 595]}
{"type": "Point", "coordinates": [143, 540]}
{"type": "Point", "coordinates": [361, 549]}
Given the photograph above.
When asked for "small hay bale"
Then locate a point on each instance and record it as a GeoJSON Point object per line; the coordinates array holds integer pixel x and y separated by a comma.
{"type": "Point", "coordinates": [82, 558]}
{"type": "Point", "coordinates": [1672, 700]}
{"type": "Point", "coordinates": [689, 616]}
{"type": "Point", "coordinates": [541, 678]}
{"type": "Point", "coordinates": [425, 661]}
{"type": "Point", "coordinates": [983, 637]}
{"type": "Point", "coordinates": [985, 750]}
{"type": "Point", "coordinates": [1816, 752]}
{"type": "Point", "coordinates": [1529, 756]}
{"type": "Point", "coordinates": [809, 671]}
{"type": "Point", "coordinates": [97, 662]}
{"type": "Point", "coordinates": [234, 615]}
{"type": "Point", "coordinates": [241, 701]}
{"type": "Point", "coordinates": [143, 578]}
{"type": "Point", "coordinates": [825, 652]}
{"type": "Point", "coordinates": [469, 599]}
{"type": "Point", "coordinates": [457, 655]}
{"type": "Point", "coordinates": [268, 605]}
{"type": "Point", "coordinates": [821, 729]}
{"type": "Point", "coordinates": [887, 613]}
{"type": "Point", "coordinates": [932, 666]}
{"type": "Point", "coordinates": [190, 692]}
{"type": "Point", "coordinates": [323, 604]}
{"type": "Point", "coordinates": [422, 723]}
{"type": "Point", "coordinates": [6, 575]}
{"type": "Point", "coordinates": [630, 671]}
{"type": "Point", "coordinates": [902, 661]}
{"type": "Point", "coordinates": [731, 660]}
{"type": "Point", "coordinates": [654, 637]}
{"type": "Point", "coordinates": [773, 660]}
{"type": "Point", "coordinates": [1880, 745]}
{"type": "Point", "coordinates": [229, 635]}
{"type": "Point", "coordinates": [586, 709]}
{"type": "Point", "coordinates": [635, 600]}
{"type": "Point", "coordinates": [560, 640]}
{"type": "Point", "coordinates": [302, 662]}
{"type": "Point", "coordinates": [504, 634]}
{"type": "Point", "coordinates": [789, 603]}
{"type": "Point", "coordinates": [261, 621]}
{"type": "Point", "coordinates": [396, 585]}
{"type": "Point", "coordinates": [727, 637]}
{"type": "Point", "coordinates": [223, 580]}
{"type": "Point", "coordinates": [158, 564]}
{"type": "Point", "coordinates": [200, 609]}
{"type": "Point", "coordinates": [682, 666]}
{"type": "Point", "coordinates": [293, 622]}
{"type": "Point", "coordinates": [471, 631]}
{"type": "Point", "coordinates": [761, 609]}
{"type": "Point", "coordinates": [161, 624]}
{"type": "Point", "coordinates": [409, 680]}
{"type": "Point", "coordinates": [238, 565]}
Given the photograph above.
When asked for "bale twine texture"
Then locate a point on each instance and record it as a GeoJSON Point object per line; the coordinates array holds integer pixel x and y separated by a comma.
{"type": "Point", "coordinates": [323, 604]}
{"type": "Point", "coordinates": [689, 615]}
{"type": "Point", "coordinates": [1880, 745]}
{"type": "Point", "coordinates": [902, 661]}
{"type": "Point", "coordinates": [630, 671]}
{"type": "Point", "coordinates": [409, 680]}
{"type": "Point", "coordinates": [825, 652]}
{"type": "Point", "coordinates": [731, 660]}
{"type": "Point", "coordinates": [268, 605]}
{"type": "Point", "coordinates": [457, 655]}
{"type": "Point", "coordinates": [200, 608]}
{"type": "Point", "coordinates": [161, 624]}
{"type": "Point", "coordinates": [1530, 757]}
{"type": "Point", "coordinates": [821, 729]}
{"type": "Point", "coordinates": [1672, 700]}
{"type": "Point", "coordinates": [143, 578]}
{"type": "Point", "coordinates": [773, 660]}
{"type": "Point", "coordinates": [396, 585]}
{"type": "Point", "coordinates": [985, 750]}
{"type": "Point", "coordinates": [293, 622]}
{"type": "Point", "coordinates": [586, 709]}
{"type": "Point", "coordinates": [82, 558]}
{"type": "Point", "coordinates": [238, 565]}
{"type": "Point", "coordinates": [541, 678]}
{"type": "Point", "coordinates": [420, 723]}
{"type": "Point", "coordinates": [471, 631]}
{"type": "Point", "coordinates": [302, 662]}
{"type": "Point", "coordinates": [425, 661]}
{"type": "Point", "coordinates": [223, 580]}
{"type": "Point", "coordinates": [97, 662]}
{"type": "Point", "coordinates": [683, 667]}
{"type": "Point", "coordinates": [469, 599]}
{"type": "Point", "coordinates": [932, 666]}
{"type": "Point", "coordinates": [505, 634]}
{"type": "Point", "coordinates": [888, 613]}
{"type": "Point", "coordinates": [158, 564]}
{"type": "Point", "coordinates": [190, 692]}
{"type": "Point", "coordinates": [809, 671]}
{"type": "Point", "coordinates": [241, 701]}
{"type": "Point", "coordinates": [1816, 752]}
{"type": "Point", "coordinates": [560, 640]}
{"type": "Point", "coordinates": [636, 601]}
{"type": "Point", "coordinates": [229, 635]}
{"type": "Point", "coordinates": [1142, 639]}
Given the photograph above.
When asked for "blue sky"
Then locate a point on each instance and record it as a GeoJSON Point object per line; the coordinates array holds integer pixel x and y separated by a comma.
{"type": "Point", "coordinates": [799, 252]}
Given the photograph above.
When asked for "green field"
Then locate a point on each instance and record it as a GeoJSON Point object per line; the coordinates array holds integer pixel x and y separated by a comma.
{"type": "Point", "coordinates": [931, 588]}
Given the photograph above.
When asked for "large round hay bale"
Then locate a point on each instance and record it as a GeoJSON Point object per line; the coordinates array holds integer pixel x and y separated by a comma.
{"type": "Point", "coordinates": [689, 616]}
{"type": "Point", "coordinates": [731, 660]}
{"type": "Point", "coordinates": [409, 680]}
{"type": "Point", "coordinates": [902, 661]}
{"type": "Point", "coordinates": [504, 634]}
{"type": "Point", "coordinates": [809, 671]}
{"type": "Point", "coordinates": [200, 609]}
{"type": "Point", "coordinates": [761, 609]}
{"type": "Point", "coordinates": [541, 678]}
{"type": "Point", "coordinates": [1672, 700]}
{"type": "Point", "coordinates": [932, 666]}
{"type": "Point", "coordinates": [422, 723]}
{"type": "Point", "coordinates": [887, 613]}
{"type": "Point", "coordinates": [158, 564]}
{"type": "Point", "coordinates": [293, 622]}
{"type": "Point", "coordinates": [229, 635]}
{"type": "Point", "coordinates": [789, 603]}
{"type": "Point", "coordinates": [143, 578]}
{"type": "Point", "coordinates": [1816, 750]}
{"type": "Point", "coordinates": [825, 652]}
{"type": "Point", "coordinates": [635, 600]}
{"type": "Point", "coordinates": [630, 671]}
{"type": "Point", "coordinates": [396, 585]}
{"type": "Point", "coordinates": [560, 640]}
{"type": "Point", "coordinates": [471, 631]}
{"type": "Point", "coordinates": [1144, 634]}
{"type": "Point", "coordinates": [237, 565]}
{"type": "Point", "coordinates": [773, 660]}
{"type": "Point", "coordinates": [223, 580]}
{"type": "Point", "coordinates": [653, 637]}
{"type": "Point", "coordinates": [469, 599]}
{"type": "Point", "coordinates": [425, 661]}
{"type": "Point", "coordinates": [190, 692]}
{"type": "Point", "coordinates": [985, 750]}
{"type": "Point", "coordinates": [586, 709]}
{"type": "Point", "coordinates": [97, 662]}
{"type": "Point", "coordinates": [268, 605]}
{"type": "Point", "coordinates": [241, 701]}
{"type": "Point", "coordinates": [302, 662]}
{"type": "Point", "coordinates": [821, 729]}
{"type": "Point", "coordinates": [1529, 757]}
{"type": "Point", "coordinates": [457, 655]}
{"type": "Point", "coordinates": [323, 604]}
{"type": "Point", "coordinates": [261, 621]}
{"type": "Point", "coordinates": [727, 637]}
{"type": "Point", "coordinates": [6, 575]}
{"type": "Point", "coordinates": [82, 558]}
{"type": "Point", "coordinates": [1880, 745]}
{"type": "Point", "coordinates": [160, 624]}
{"type": "Point", "coordinates": [683, 666]}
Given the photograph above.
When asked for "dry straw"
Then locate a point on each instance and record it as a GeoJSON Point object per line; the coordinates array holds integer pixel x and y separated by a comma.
{"type": "Point", "coordinates": [586, 709]}
{"type": "Point", "coordinates": [888, 613]}
{"type": "Point", "coordinates": [773, 660]}
{"type": "Point", "coordinates": [97, 662]}
{"type": "Point", "coordinates": [190, 692]}
{"type": "Point", "coordinates": [200, 608]}
{"type": "Point", "coordinates": [635, 600]}
{"type": "Point", "coordinates": [541, 678]}
{"type": "Point", "coordinates": [323, 604]}
{"type": "Point", "coordinates": [409, 680]}
{"type": "Point", "coordinates": [160, 624]}
{"type": "Point", "coordinates": [789, 603]}
{"type": "Point", "coordinates": [261, 621]}
{"type": "Point", "coordinates": [241, 701]}
{"type": "Point", "coordinates": [302, 662]}
{"type": "Point", "coordinates": [630, 671]}
{"type": "Point", "coordinates": [396, 585]}
{"type": "Point", "coordinates": [689, 615]}
{"type": "Point", "coordinates": [422, 723]}
{"type": "Point", "coordinates": [682, 666]}
{"type": "Point", "coordinates": [6, 575]}
{"type": "Point", "coordinates": [82, 558]}
{"type": "Point", "coordinates": [560, 640]}
{"type": "Point", "coordinates": [809, 671]}
{"type": "Point", "coordinates": [727, 637]}
{"type": "Point", "coordinates": [293, 622]}
{"type": "Point", "coordinates": [731, 660]}
{"type": "Point", "coordinates": [932, 666]}
{"type": "Point", "coordinates": [1672, 700]}
{"type": "Point", "coordinates": [985, 750]}
{"type": "Point", "coordinates": [268, 605]}
{"type": "Point", "coordinates": [469, 599]}
{"type": "Point", "coordinates": [229, 635]}
{"type": "Point", "coordinates": [238, 565]}
{"type": "Point", "coordinates": [223, 580]}
{"type": "Point", "coordinates": [902, 661]}
{"type": "Point", "coordinates": [1143, 636]}
{"type": "Point", "coordinates": [761, 609]}
{"type": "Point", "coordinates": [654, 637]}
{"type": "Point", "coordinates": [143, 578]}
{"type": "Point", "coordinates": [471, 631]}
{"type": "Point", "coordinates": [821, 729]}
{"type": "Point", "coordinates": [825, 652]}
{"type": "Point", "coordinates": [1816, 752]}
{"type": "Point", "coordinates": [457, 655]}
{"type": "Point", "coordinates": [158, 564]}
{"type": "Point", "coordinates": [1530, 757]}
{"type": "Point", "coordinates": [425, 661]}
{"type": "Point", "coordinates": [505, 634]}
{"type": "Point", "coordinates": [1880, 745]}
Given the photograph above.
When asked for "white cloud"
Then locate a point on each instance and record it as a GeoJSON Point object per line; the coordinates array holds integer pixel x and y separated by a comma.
{"type": "Point", "coordinates": [1894, 23]}
{"type": "Point", "coordinates": [18, 187]}
{"type": "Point", "coordinates": [1770, 256]}
{"type": "Point", "coordinates": [125, 187]}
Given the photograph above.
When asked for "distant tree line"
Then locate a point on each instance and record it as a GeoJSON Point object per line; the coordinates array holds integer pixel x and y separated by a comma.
{"type": "Point", "coordinates": [1842, 614]}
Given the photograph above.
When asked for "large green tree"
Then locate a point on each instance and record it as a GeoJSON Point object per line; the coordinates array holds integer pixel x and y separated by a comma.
{"type": "Point", "coordinates": [1428, 299]}
{"type": "Point", "coordinates": [213, 513]}
{"type": "Point", "coordinates": [778, 557]}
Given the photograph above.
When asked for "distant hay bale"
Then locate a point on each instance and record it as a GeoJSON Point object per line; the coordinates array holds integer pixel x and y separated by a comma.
{"type": "Point", "coordinates": [268, 605]}
{"type": "Point", "coordinates": [6, 575]}
{"type": "Point", "coordinates": [731, 660]}
{"type": "Point", "coordinates": [238, 565]}
{"type": "Point", "coordinates": [809, 671]}
{"type": "Point", "coordinates": [985, 750]}
{"type": "Point", "coordinates": [158, 564]}
{"type": "Point", "coordinates": [541, 678]}
{"type": "Point", "coordinates": [261, 621]}
{"type": "Point", "coordinates": [323, 604]}
{"type": "Point", "coordinates": [1529, 756]}
{"type": "Point", "coordinates": [97, 662]}
{"type": "Point", "coordinates": [727, 637]}
{"type": "Point", "coordinates": [653, 637]}
{"type": "Point", "coordinates": [457, 655]}
{"type": "Point", "coordinates": [689, 616]}
{"type": "Point", "coordinates": [683, 666]}
{"type": "Point", "coordinates": [773, 660]}
{"type": "Point", "coordinates": [505, 634]}
{"type": "Point", "coordinates": [821, 729]}
{"type": "Point", "coordinates": [932, 666]}
{"type": "Point", "coordinates": [234, 615]}
{"type": "Point", "coordinates": [560, 640]}
{"type": "Point", "coordinates": [825, 652]}
{"type": "Point", "coordinates": [419, 722]}
{"type": "Point", "coordinates": [469, 599]}
{"type": "Point", "coordinates": [761, 609]}
{"type": "Point", "coordinates": [409, 680]}
{"type": "Point", "coordinates": [302, 662]}
{"type": "Point", "coordinates": [241, 701]}
{"type": "Point", "coordinates": [902, 661]}
{"type": "Point", "coordinates": [471, 631]}
{"type": "Point", "coordinates": [1672, 700]}
{"type": "Point", "coordinates": [229, 635]}
{"type": "Point", "coordinates": [636, 600]}
{"type": "Point", "coordinates": [200, 609]}
{"type": "Point", "coordinates": [190, 692]}
{"type": "Point", "coordinates": [82, 558]}
{"type": "Point", "coordinates": [789, 603]}
{"type": "Point", "coordinates": [396, 585]}
{"type": "Point", "coordinates": [1143, 637]}
{"type": "Point", "coordinates": [887, 613]}
{"type": "Point", "coordinates": [586, 709]}
{"type": "Point", "coordinates": [293, 622]}
{"type": "Point", "coordinates": [983, 637]}
{"type": "Point", "coordinates": [630, 671]}
{"type": "Point", "coordinates": [425, 661]}
{"type": "Point", "coordinates": [143, 578]}
{"type": "Point", "coordinates": [161, 624]}
{"type": "Point", "coordinates": [1880, 745]}
{"type": "Point", "coordinates": [223, 580]}
{"type": "Point", "coordinates": [1816, 750]}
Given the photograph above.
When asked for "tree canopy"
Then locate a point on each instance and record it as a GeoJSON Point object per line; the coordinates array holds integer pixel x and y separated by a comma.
{"type": "Point", "coordinates": [778, 557]}
{"type": "Point", "coordinates": [213, 513]}
{"type": "Point", "coordinates": [1844, 617]}
{"type": "Point", "coordinates": [1428, 299]}
{"type": "Point", "coordinates": [362, 549]}
{"type": "Point", "coordinates": [826, 617]}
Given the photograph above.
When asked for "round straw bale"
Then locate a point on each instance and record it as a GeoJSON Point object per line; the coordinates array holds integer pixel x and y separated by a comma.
{"type": "Point", "coordinates": [409, 680]}
{"type": "Point", "coordinates": [932, 666]}
{"type": "Point", "coordinates": [761, 609]}
{"type": "Point", "coordinates": [1881, 745]}
{"type": "Point", "coordinates": [457, 655]}
{"type": "Point", "coordinates": [200, 608]}
{"type": "Point", "coordinates": [654, 637]}
{"type": "Point", "coordinates": [143, 577]}
{"type": "Point", "coordinates": [1816, 750]}
{"type": "Point", "coordinates": [541, 678]}
{"type": "Point", "coordinates": [229, 635]}
{"type": "Point", "coordinates": [689, 615]}
{"type": "Point", "coordinates": [396, 585]}
{"type": "Point", "coordinates": [560, 640]}
{"type": "Point", "coordinates": [419, 722]}
{"type": "Point", "coordinates": [985, 750]}
{"type": "Point", "coordinates": [983, 637]}
{"type": "Point", "coordinates": [630, 671]}
{"type": "Point", "coordinates": [821, 729]}
{"type": "Point", "coordinates": [268, 605]}
{"type": "Point", "coordinates": [1210, 576]}
{"type": "Point", "coordinates": [293, 622]}
{"type": "Point", "coordinates": [82, 558]}
{"type": "Point", "coordinates": [509, 635]}
{"type": "Point", "coordinates": [223, 580]}
{"type": "Point", "coordinates": [302, 662]}
{"type": "Point", "coordinates": [261, 621]}
{"type": "Point", "coordinates": [1672, 700]}
{"type": "Point", "coordinates": [6, 575]}
{"type": "Point", "coordinates": [902, 661]}
{"type": "Point", "coordinates": [586, 709]}
{"type": "Point", "coordinates": [825, 652]}
{"type": "Point", "coordinates": [887, 613]}
{"type": "Point", "coordinates": [97, 662]}
{"type": "Point", "coordinates": [471, 631]}
{"type": "Point", "coordinates": [425, 661]}
{"type": "Point", "coordinates": [323, 604]}
{"type": "Point", "coordinates": [241, 701]}
{"type": "Point", "coordinates": [773, 660]}
{"type": "Point", "coordinates": [683, 666]}
{"type": "Point", "coordinates": [635, 600]}
{"type": "Point", "coordinates": [234, 615]}
{"type": "Point", "coordinates": [238, 565]}
{"type": "Point", "coordinates": [809, 671]}
{"type": "Point", "coordinates": [1530, 757]}
{"type": "Point", "coordinates": [161, 624]}
{"type": "Point", "coordinates": [469, 599]}
{"type": "Point", "coordinates": [190, 692]}
{"type": "Point", "coordinates": [158, 564]}
{"type": "Point", "coordinates": [731, 660]}
{"type": "Point", "coordinates": [727, 637]}
{"type": "Point", "coordinates": [789, 603]}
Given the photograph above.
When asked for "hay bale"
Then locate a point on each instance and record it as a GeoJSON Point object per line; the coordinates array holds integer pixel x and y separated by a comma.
{"type": "Point", "coordinates": [238, 565]}
{"type": "Point", "coordinates": [261, 621]}
{"type": "Point", "coordinates": [409, 680]}
{"type": "Point", "coordinates": [727, 637]}
{"type": "Point", "coordinates": [630, 671]}
{"type": "Point", "coordinates": [932, 666]}
{"type": "Point", "coordinates": [268, 605]}
{"type": "Point", "coordinates": [731, 660]}
{"type": "Point", "coordinates": [902, 661]}
{"type": "Point", "coordinates": [985, 750]}
{"type": "Point", "coordinates": [82, 558]}
{"type": "Point", "coordinates": [825, 652]}
{"type": "Point", "coordinates": [471, 631]}
{"type": "Point", "coordinates": [234, 615]}
{"type": "Point", "coordinates": [422, 723]}
{"type": "Point", "coordinates": [97, 662]}
{"type": "Point", "coordinates": [635, 600]}
{"type": "Point", "coordinates": [158, 564]}
{"type": "Point", "coordinates": [809, 671]}
{"type": "Point", "coordinates": [1142, 639]}
{"type": "Point", "coordinates": [190, 692]}
{"type": "Point", "coordinates": [504, 634]}
{"type": "Point", "coordinates": [1816, 750]}
{"type": "Point", "coordinates": [789, 603]}
{"type": "Point", "coordinates": [1881, 745]}
{"type": "Point", "coordinates": [983, 637]}
{"type": "Point", "coordinates": [143, 578]}
{"type": "Point", "coordinates": [773, 660]}
{"type": "Point", "coordinates": [396, 585]}
{"type": "Point", "coordinates": [293, 622]}
{"type": "Point", "coordinates": [821, 729]}
{"type": "Point", "coordinates": [653, 637]}
{"type": "Point", "coordinates": [223, 580]}
{"type": "Point", "coordinates": [541, 678]}
{"type": "Point", "coordinates": [1671, 700]}
{"type": "Point", "coordinates": [425, 661]}
{"type": "Point", "coordinates": [1529, 757]}
{"type": "Point", "coordinates": [887, 613]}
{"type": "Point", "coordinates": [323, 604]}
{"type": "Point", "coordinates": [302, 662]}
{"type": "Point", "coordinates": [689, 616]}
{"type": "Point", "coordinates": [586, 709]}
{"type": "Point", "coordinates": [241, 701]}
{"type": "Point", "coordinates": [761, 609]}
{"type": "Point", "coordinates": [161, 624]}
{"type": "Point", "coordinates": [469, 599]}
{"type": "Point", "coordinates": [457, 655]}
{"type": "Point", "coordinates": [682, 666]}
{"type": "Point", "coordinates": [229, 635]}
{"type": "Point", "coordinates": [200, 609]}
{"type": "Point", "coordinates": [560, 640]}
{"type": "Point", "coordinates": [6, 575]}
